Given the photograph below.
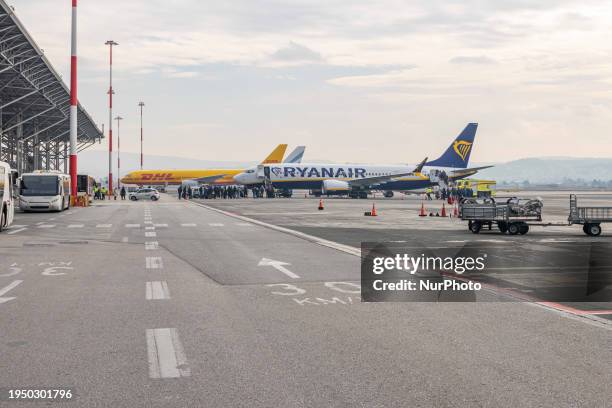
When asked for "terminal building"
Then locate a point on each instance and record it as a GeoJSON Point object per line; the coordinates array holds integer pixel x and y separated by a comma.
{"type": "Point", "coordinates": [34, 104]}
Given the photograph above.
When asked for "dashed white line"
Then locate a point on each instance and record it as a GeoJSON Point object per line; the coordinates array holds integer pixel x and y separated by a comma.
{"type": "Point", "coordinates": [150, 234]}
{"type": "Point", "coordinates": [244, 224]}
{"type": "Point", "coordinates": [160, 225]}
{"type": "Point", "coordinates": [47, 226]}
{"type": "Point", "coordinates": [157, 290]}
{"type": "Point", "coordinates": [215, 224]}
{"type": "Point", "coordinates": [149, 228]}
{"type": "Point", "coordinates": [17, 231]}
{"type": "Point", "coordinates": [17, 226]}
{"type": "Point", "coordinates": [154, 262]}
{"type": "Point", "coordinates": [166, 355]}
{"type": "Point", "coordinates": [104, 225]}
{"type": "Point", "coordinates": [148, 222]}
{"type": "Point", "coordinates": [75, 226]}
{"type": "Point", "coordinates": [151, 245]}
{"type": "Point", "coordinates": [188, 225]}
{"type": "Point", "coordinates": [132, 225]}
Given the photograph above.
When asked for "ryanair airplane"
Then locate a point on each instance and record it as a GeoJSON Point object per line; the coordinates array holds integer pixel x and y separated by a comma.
{"type": "Point", "coordinates": [200, 176]}
{"type": "Point", "coordinates": [357, 180]}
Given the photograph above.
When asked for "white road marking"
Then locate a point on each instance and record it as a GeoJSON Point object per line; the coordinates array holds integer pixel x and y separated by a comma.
{"type": "Point", "coordinates": [151, 245]}
{"type": "Point", "coordinates": [47, 226]}
{"type": "Point", "coordinates": [132, 225]}
{"type": "Point", "coordinates": [319, 241]}
{"type": "Point", "coordinates": [104, 225]}
{"type": "Point", "coordinates": [148, 222]}
{"type": "Point", "coordinates": [149, 228]}
{"type": "Point", "coordinates": [69, 213]}
{"type": "Point", "coordinates": [154, 262]}
{"type": "Point", "coordinates": [244, 224]}
{"type": "Point", "coordinates": [157, 290]}
{"type": "Point", "coordinates": [188, 225]}
{"type": "Point", "coordinates": [150, 234]}
{"type": "Point", "coordinates": [75, 226]}
{"type": "Point", "coordinates": [39, 223]}
{"type": "Point", "coordinates": [52, 219]}
{"type": "Point", "coordinates": [17, 226]}
{"type": "Point", "coordinates": [8, 288]}
{"type": "Point", "coordinates": [166, 355]}
{"type": "Point", "coordinates": [16, 231]}
{"type": "Point", "coordinates": [124, 239]}
{"type": "Point", "coordinates": [215, 224]}
{"type": "Point", "coordinates": [278, 265]}
{"type": "Point", "coordinates": [161, 225]}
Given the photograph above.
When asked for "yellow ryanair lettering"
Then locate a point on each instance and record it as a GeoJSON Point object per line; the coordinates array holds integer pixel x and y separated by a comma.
{"type": "Point", "coordinates": [462, 148]}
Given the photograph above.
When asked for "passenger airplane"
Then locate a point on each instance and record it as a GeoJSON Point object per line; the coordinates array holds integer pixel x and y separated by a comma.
{"type": "Point", "coordinates": [198, 176]}
{"type": "Point", "coordinates": [357, 180]}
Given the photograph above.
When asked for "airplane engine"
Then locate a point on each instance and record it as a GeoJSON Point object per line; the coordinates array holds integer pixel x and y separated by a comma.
{"type": "Point", "coordinates": [335, 186]}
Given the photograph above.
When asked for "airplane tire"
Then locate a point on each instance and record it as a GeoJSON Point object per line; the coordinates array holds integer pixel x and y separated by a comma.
{"type": "Point", "coordinates": [2, 219]}
{"type": "Point", "coordinates": [133, 198]}
{"type": "Point", "coordinates": [503, 227]}
{"type": "Point", "coordinates": [523, 229]}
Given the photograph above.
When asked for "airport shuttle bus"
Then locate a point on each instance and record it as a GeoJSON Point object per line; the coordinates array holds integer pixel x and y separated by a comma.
{"type": "Point", "coordinates": [44, 191]}
{"type": "Point", "coordinates": [7, 206]}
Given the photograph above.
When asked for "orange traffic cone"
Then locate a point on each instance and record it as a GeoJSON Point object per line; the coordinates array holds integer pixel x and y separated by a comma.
{"type": "Point", "coordinates": [443, 213]}
{"type": "Point", "coordinates": [373, 213]}
{"type": "Point", "coordinates": [456, 211]}
{"type": "Point", "coordinates": [422, 213]}
{"type": "Point", "coordinates": [321, 204]}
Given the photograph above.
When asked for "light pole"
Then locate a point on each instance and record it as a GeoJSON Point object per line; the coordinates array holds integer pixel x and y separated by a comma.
{"type": "Point", "coordinates": [141, 104]}
{"type": "Point", "coordinates": [110, 43]}
{"type": "Point", "coordinates": [118, 119]}
{"type": "Point", "coordinates": [73, 106]}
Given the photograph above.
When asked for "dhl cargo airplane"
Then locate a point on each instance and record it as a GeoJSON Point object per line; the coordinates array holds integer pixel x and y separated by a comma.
{"type": "Point", "coordinates": [201, 176]}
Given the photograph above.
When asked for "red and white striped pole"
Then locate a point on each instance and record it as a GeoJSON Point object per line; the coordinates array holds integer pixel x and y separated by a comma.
{"type": "Point", "coordinates": [141, 104]}
{"type": "Point", "coordinates": [73, 105]}
{"type": "Point", "coordinates": [110, 43]}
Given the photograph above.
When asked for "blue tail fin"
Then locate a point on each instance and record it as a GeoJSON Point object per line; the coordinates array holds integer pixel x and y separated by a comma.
{"type": "Point", "coordinates": [458, 153]}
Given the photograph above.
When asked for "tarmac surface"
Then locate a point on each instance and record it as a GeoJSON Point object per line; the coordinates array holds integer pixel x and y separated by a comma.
{"type": "Point", "coordinates": [176, 304]}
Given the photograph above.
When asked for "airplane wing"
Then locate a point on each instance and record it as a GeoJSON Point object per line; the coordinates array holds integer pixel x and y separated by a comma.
{"type": "Point", "coordinates": [466, 172]}
{"type": "Point", "coordinates": [376, 180]}
{"type": "Point", "coordinates": [209, 179]}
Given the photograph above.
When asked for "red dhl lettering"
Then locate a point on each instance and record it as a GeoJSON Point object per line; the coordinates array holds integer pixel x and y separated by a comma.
{"type": "Point", "coordinates": [156, 177]}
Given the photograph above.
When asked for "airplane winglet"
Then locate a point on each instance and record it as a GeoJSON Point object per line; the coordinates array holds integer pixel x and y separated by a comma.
{"type": "Point", "coordinates": [419, 167]}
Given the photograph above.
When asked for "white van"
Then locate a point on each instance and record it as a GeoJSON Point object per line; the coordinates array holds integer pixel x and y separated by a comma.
{"type": "Point", "coordinates": [44, 191]}
{"type": "Point", "coordinates": [7, 206]}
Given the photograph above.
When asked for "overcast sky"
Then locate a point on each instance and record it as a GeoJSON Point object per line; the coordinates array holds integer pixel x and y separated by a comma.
{"type": "Point", "coordinates": [366, 81]}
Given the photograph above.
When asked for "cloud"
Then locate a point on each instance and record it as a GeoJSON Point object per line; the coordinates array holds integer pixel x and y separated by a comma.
{"type": "Point", "coordinates": [480, 60]}
{"type": "Point", "coordinates": [296, 52]}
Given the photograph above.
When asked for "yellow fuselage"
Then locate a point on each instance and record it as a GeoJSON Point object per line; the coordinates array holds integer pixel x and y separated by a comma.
{"type": "Point", "coordinates": [169, 177]}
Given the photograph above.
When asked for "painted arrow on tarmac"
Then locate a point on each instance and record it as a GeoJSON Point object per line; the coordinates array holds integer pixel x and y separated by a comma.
{"type": "Point", "coordinates": [7, 289]}
{"type": "Point", "coordinates": [278, 265]}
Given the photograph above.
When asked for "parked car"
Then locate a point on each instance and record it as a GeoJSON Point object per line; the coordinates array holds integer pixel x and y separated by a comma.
{"type": "Point", "coordinates": [144, 194]}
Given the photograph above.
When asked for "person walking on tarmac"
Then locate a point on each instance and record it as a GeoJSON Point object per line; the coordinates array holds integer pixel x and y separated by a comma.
{"type": "Point", "coordinates": [428, 192]}
{"type": "Point", "coordinates": [180, 192]}
{"type": "Point", "coordinates": [122, 192]}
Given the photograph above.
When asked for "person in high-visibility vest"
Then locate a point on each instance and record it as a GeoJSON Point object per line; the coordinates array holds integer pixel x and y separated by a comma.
{"type": "Point", "coordinates": [428, 192]}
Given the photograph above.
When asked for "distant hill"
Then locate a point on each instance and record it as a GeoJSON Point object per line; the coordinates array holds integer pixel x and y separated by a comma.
{"type": "Point", "coordinates": [545, 170]}
{"type": "Point", "coordinates": [552, 170]}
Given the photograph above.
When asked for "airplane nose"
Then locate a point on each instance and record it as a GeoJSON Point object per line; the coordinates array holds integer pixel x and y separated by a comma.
{"type": "Point", "coordinates": [239, 178]}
